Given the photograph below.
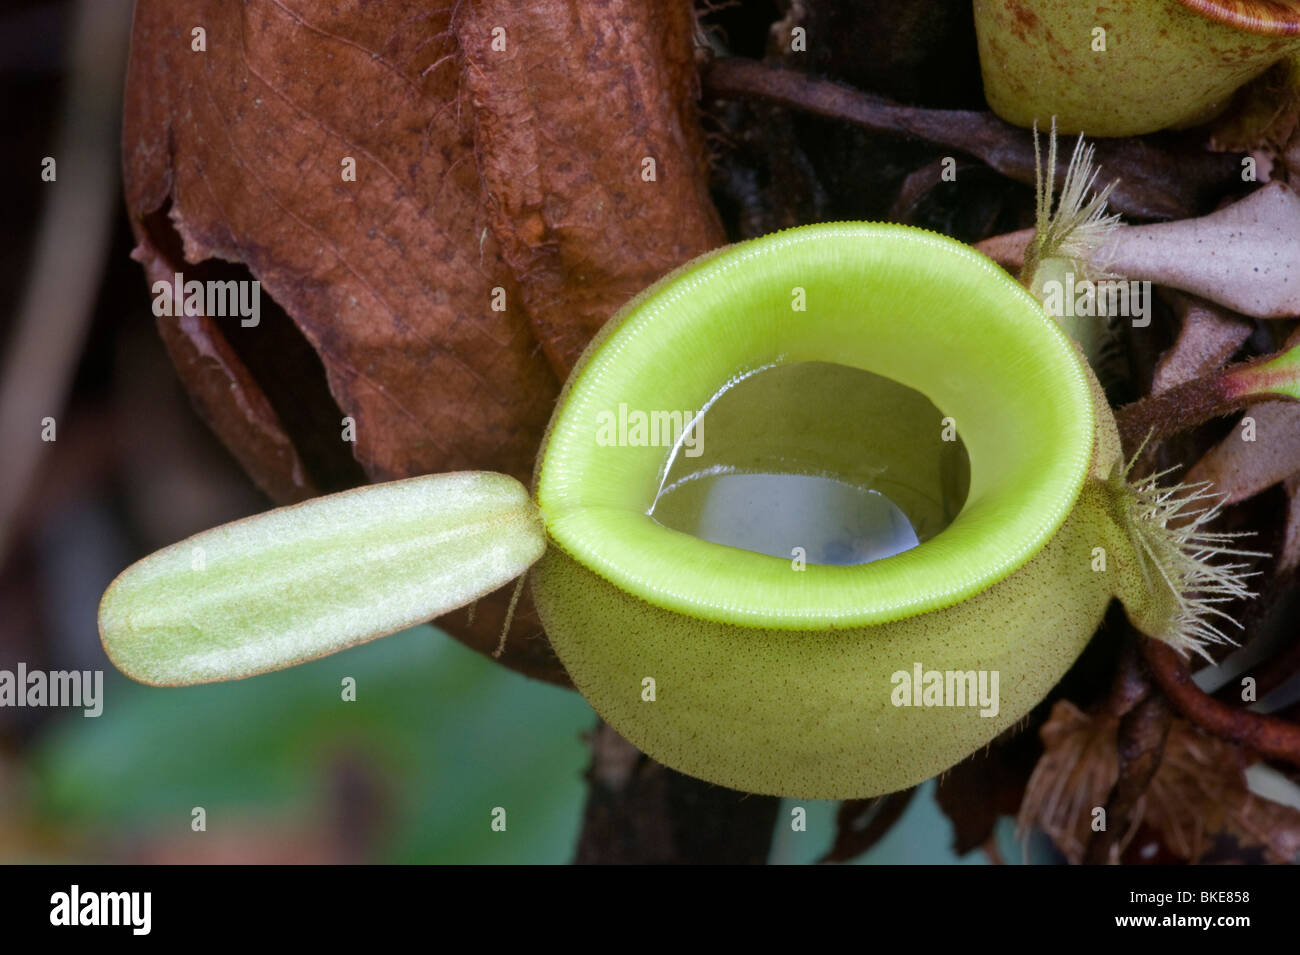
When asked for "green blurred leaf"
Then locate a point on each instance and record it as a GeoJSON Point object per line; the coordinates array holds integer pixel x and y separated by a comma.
{"type": "Point", "coordinates": [449, 735]}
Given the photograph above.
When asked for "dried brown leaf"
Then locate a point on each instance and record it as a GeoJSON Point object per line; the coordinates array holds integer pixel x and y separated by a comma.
{"type": "Point", "coordinates": [984, 786]}
{"type": "Point", "coordinates": [1078, 770]}
{"type": "Point", "coordinates": [1200, 791]}
{"type": "Point", "coordinates": [476, 169]}
{"type": "Point", "coordinates": [566, 123]}
{"type": "Point", "coordinates": [1264, 117]}
{"type": "Point", "coordinates": [861, 823]}
{"type": "Point", "coordinates": [1140, 744]}
{"type": "Point", "coordinates": [1241, 468]}
{"type": "Point", "coordinates": [1197, 792]}
{"type": "Point", "coordinates": [1207, 337]}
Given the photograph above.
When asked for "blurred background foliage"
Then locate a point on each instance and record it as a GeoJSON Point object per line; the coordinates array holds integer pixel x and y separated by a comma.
{"type": "Point", "coordinates": [410, 771]}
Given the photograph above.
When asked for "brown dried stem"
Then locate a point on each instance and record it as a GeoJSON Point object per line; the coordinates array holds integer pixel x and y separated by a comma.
{"type": "Point", "coordinates": [1153, 182]}
{"type": "Point", "coordinates": [1183, 407]}
{"type": "Point", "coordinates": [1267, 735]}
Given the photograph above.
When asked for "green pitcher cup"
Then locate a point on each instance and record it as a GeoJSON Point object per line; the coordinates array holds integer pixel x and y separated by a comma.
{"type": "Point", "coordinates": [1126, 67]}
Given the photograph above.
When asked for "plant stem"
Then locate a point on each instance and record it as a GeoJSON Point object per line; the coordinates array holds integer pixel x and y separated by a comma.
{"type": "Point", "coordinates": [1194, 402]}
{"type": "Point", "coordinates": [1267, 735]}
{"type": "Point", "coordinates": [1154, 183]}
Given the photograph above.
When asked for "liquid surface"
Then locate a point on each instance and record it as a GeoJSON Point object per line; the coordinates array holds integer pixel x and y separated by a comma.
{"type": "Point", "coordinates": [846, 465]}
{"type": "Point", "coordinates": [832, 522]}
